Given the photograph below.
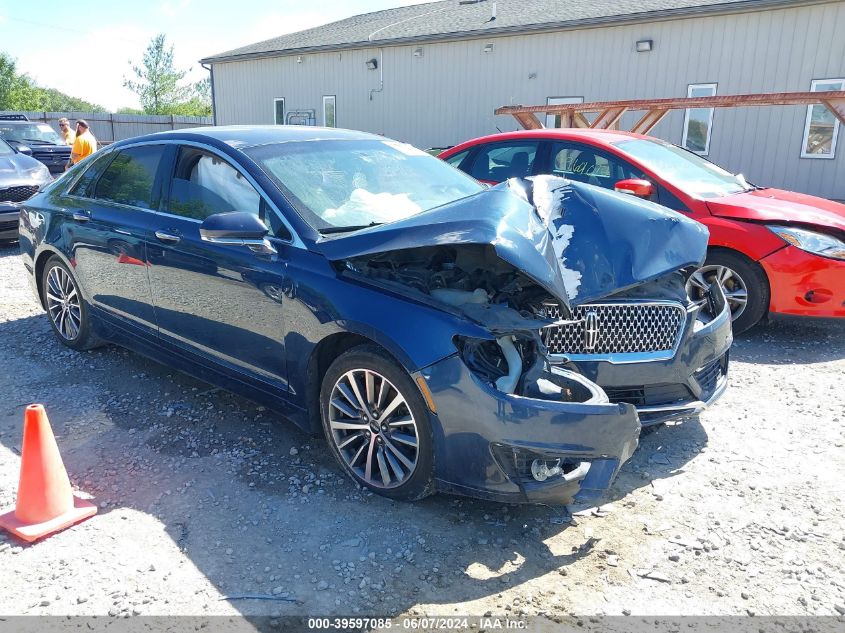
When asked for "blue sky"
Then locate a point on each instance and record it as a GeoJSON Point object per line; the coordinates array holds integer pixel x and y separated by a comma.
{"type": "Point", "coordinates": [83, 47]}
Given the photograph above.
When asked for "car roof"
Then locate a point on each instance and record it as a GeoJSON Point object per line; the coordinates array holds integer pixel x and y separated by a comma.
{"type": "Point", "coordinates": [602, 137]}
{"type": "Point", "coordinates": [242, 136]}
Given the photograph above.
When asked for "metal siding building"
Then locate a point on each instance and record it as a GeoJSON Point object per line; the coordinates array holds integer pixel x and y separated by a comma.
{"type": "Point", "coordinates": [435, 90]}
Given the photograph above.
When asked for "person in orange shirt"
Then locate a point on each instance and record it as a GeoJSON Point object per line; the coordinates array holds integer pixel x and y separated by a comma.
{"type": "Point", "coordinates": [84, 145]}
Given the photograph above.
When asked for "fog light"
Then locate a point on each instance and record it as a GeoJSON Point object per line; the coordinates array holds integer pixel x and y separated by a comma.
{"type": "Point", "coordinates": [541, 471]}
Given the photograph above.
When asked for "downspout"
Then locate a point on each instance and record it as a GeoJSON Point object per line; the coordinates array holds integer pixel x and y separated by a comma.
{"type": "Point", "coordinates": [381, 50]}
{"type": "Point", "coordinates": [210, 69]}
{"type": "Point", "coordinates": [380, 74]}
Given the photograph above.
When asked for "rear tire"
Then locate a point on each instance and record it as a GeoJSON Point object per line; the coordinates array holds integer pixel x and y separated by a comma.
{"type": "Point", "coordinates": [744, 283]}
{"type": "Point", "coordinates": [67, 310]}
{"type": "Point", "coordinates": [377, 425]}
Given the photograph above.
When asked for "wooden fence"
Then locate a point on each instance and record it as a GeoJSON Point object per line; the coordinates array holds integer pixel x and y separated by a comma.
{"type": "Point", "coordinates": [108, 128]}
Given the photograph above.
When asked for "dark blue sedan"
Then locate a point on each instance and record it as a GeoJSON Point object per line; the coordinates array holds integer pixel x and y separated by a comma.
{"type": "Point", "coordinates": [361, 286]}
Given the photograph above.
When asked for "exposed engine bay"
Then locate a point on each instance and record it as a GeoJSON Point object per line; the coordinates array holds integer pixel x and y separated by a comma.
{"type": "Point", "coordinates": [473, 282]}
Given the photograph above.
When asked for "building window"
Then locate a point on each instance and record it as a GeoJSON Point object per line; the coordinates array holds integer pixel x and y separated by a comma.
{"type": "Point", "coordinates": [698, 122]}
{"type": "Point", "coordinates": [279, 111]}
{"type": "Point", "coordinates": [329, 113]}
{"type": "Point", "coordinates": [554, 120]}
{"type": "Point", "coordinates": [821, 128]}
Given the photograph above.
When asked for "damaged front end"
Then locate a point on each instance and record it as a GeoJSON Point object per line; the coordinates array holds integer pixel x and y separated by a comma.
{"type": "Point", "coordinates": [509, 425]}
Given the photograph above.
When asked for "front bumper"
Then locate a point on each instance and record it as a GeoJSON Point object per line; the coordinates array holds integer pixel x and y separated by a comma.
{"type": "Point", "coordinates": [804, 284]}
{"type": "Point", "coordinates": [9, 216]}
{"type": "Point", "coordinates": [485, 441]}
{"type": "Point", "coordinates": [693, 378]}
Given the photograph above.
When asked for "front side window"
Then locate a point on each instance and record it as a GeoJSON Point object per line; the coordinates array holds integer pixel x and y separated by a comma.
{"type": "Point", "coordinates": [688, 172]}
{"type": "Point", "coordinates": [130, 178]}
{"type": "Point", "coordinates": [279, 111]}
{"type": "Point", "coordinates": [339, 185]}
{"type": "Point", "coordinates": [329, 114]}
{"type": "Point", "coordinates": [821, 128]}
{"type": "Point", "coordinates": [586, 164]}
{"type": "Point", "coordinates": [204, 184]}
{"type": "Point", "coordinates": [497, 162]}
{"type": "Point", "coordinates": [5, 148]}
{"type": "Point", "coordinates": [698, 122]}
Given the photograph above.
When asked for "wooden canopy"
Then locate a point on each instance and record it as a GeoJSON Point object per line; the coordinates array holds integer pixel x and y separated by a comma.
{"type": "Point", "coordinates": [608, 113]}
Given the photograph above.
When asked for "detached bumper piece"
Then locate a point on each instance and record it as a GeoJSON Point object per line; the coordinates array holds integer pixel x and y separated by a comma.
{"type": "Point", "coordinates": [564, 445]}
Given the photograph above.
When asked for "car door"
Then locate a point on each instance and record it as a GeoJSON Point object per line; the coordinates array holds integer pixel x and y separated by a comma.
{"type": "Point", "coordinates": [220, 301]}
{"type": "Point", "coordinates": [595, 166]}
{"type": "Point", "coordinates": [110, 211]}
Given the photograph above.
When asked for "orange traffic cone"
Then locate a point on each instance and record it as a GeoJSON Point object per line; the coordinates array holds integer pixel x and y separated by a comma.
{"type": "Point", "coordinates": [45, 503]}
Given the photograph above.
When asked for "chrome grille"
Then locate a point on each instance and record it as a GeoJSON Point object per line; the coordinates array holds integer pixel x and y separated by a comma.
{"type": "Point", "coordinates": [18, 194]}
{"type": "Point", "coordinates": [623, 328]}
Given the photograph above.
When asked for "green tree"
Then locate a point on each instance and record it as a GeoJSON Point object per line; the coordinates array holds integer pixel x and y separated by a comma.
{"type": "Point", "coordinates": [157, 82]}
{"type": "Point", "coordinates": [17, 90]}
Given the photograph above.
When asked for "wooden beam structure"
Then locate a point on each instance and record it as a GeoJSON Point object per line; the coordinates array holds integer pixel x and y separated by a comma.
{"type": "Point", "coordinates": [610, 112]}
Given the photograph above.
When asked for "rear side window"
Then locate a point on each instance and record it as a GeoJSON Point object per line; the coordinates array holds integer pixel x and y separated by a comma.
{"type": "Point", "coordinates": [130, 178]}
{"type": "Point", "coordinates": [497, 162]}
{"type": "Point", "coordinates": [457, 159]}
{"type": "Point", "coordinates": [84, 187]}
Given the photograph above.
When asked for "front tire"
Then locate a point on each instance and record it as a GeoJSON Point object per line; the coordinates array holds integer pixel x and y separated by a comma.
{"type": "Point", "coordinates": [745, 286]}
{"type": "Point", "coordinates": [66, 308]}
{"type": "Point", "coordinates": [377, 424]}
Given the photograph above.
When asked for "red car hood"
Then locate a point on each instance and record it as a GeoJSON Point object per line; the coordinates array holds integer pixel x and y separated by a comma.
{"type": "Point", "coordinates": [775, 205]}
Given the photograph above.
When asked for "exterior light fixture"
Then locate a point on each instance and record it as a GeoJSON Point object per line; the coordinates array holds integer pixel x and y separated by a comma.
{"type": "Point", "coordinates": [488, 48]}
{"type": "Point", "coordinates": [644, 46]}
{"type": "Point", "coordinates": [372, 64]}
{"type": "Point", "coordinates": [299, 59]}
{"type": "Point", "coordinates": [418, 52]}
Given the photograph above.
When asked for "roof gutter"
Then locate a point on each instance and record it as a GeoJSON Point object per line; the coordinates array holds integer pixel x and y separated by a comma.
{"type": "Point", "coordinates": [739, 6]}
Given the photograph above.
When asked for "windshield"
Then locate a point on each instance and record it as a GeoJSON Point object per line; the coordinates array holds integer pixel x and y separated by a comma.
{"type": "Point", "coordinates": [348, 184]}
{"type": "Point", "coordinates": [30, 133]}
{"type": "Point", "coordinates": [5, 149]}
{"type": "Point", "coordinates": [685, 170]}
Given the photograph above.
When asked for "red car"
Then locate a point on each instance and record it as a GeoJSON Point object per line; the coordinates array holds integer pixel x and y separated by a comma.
{"type": "Point", "coordinates": [770, 250]}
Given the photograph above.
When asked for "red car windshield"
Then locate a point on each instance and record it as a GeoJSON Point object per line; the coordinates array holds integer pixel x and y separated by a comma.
{"type": "Point", "coordinates": [685, 170]}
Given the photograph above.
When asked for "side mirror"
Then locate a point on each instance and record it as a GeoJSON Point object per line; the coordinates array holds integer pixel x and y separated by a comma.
{"type": "Point", "coordinates": [635, 187]}
{"type": "Point", "coordinates": [238, 228]}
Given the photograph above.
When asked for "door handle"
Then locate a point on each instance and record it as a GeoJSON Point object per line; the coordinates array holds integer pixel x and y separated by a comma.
{"type": "Point", "coordinates": [80, 216]}
{"type": "Point", "coordinates": [170, 238]}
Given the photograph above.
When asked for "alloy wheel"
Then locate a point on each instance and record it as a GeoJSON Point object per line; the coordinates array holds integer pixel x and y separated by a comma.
{"type": "Point", "coordinates": [734, 286]}
{"type": "Point", "coordinates": [63, 303]}
{"type": "Point", "coordinates": [373, 428]}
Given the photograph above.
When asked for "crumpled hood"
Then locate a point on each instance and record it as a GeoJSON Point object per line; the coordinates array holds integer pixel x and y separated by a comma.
{"type": "Point", "coordinates": [778, 206]}
{"type": "Point", "coordinates": [578, 242]}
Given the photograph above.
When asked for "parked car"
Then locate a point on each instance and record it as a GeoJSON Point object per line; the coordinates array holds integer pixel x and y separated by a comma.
{"type": "Point", "coordinates": [20, 178]}
{"type": "Point", "coordinates": [35, 139]}
{"type": "Point", "coordinates": [770, 250]}
{"type": "Point", "coordinates": [361, 286]}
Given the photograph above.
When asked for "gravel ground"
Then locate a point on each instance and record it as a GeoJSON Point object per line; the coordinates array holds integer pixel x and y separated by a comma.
{"type": "Point", "coordinates": [203, 494]}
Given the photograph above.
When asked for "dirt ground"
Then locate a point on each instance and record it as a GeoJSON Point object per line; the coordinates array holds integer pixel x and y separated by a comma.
{"type": "Point", "coordinates": [204, 495]}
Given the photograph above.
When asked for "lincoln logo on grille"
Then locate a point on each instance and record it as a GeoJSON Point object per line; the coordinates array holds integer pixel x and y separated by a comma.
{"type": "Point", "coordinates": [591, 329]}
